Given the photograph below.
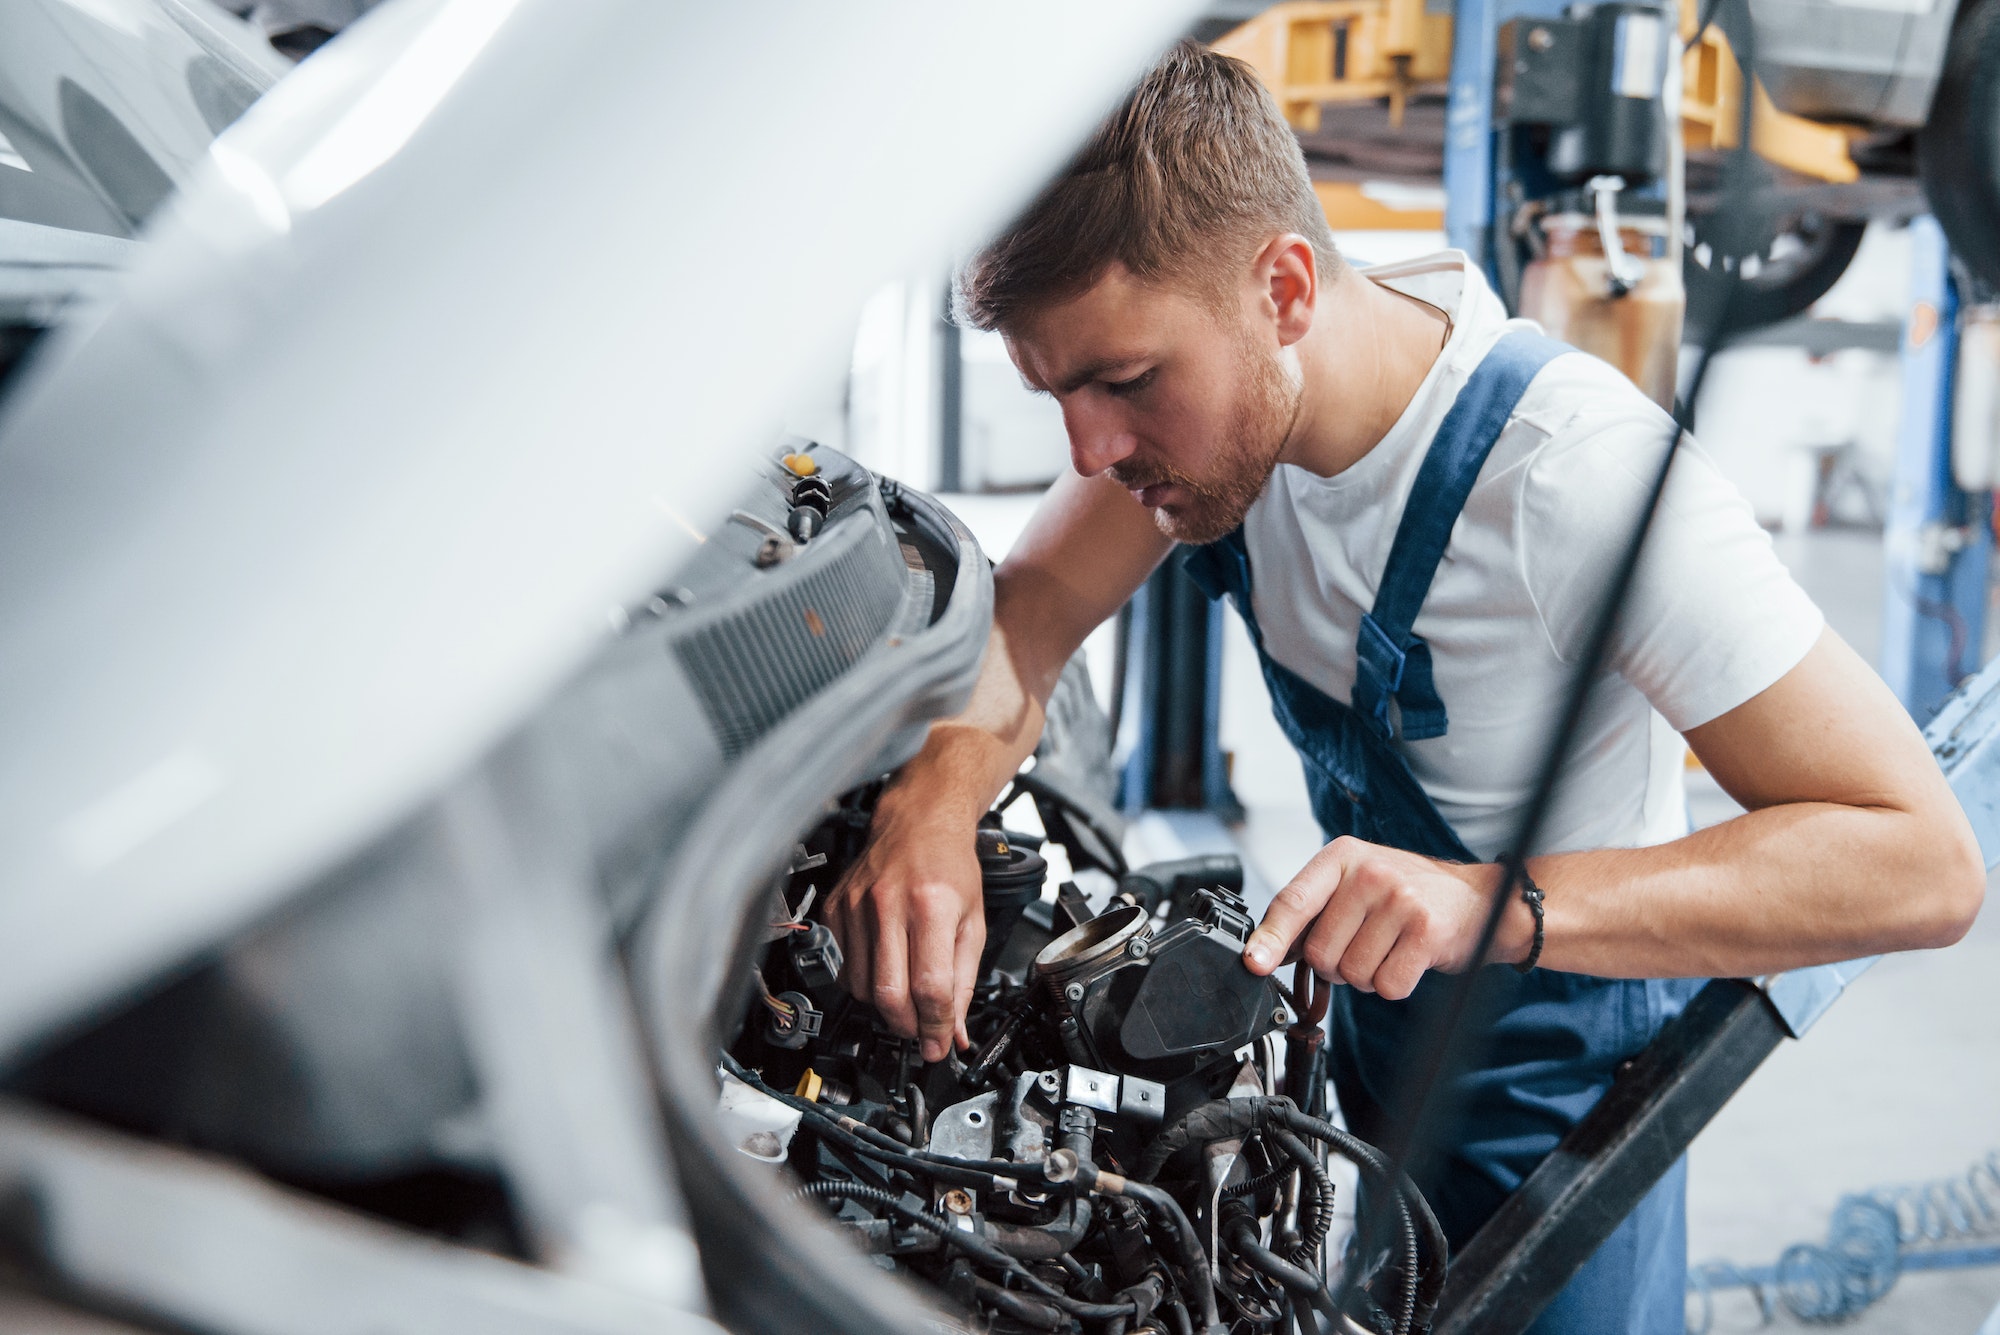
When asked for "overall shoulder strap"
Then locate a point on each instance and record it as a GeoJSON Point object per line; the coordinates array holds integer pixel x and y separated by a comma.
{"type": "Point", "coordinates": [1222, 568]}
{"type": "Point", "coordinates": [1390, 659]}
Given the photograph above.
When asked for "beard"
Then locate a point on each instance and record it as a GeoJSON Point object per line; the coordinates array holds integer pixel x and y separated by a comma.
{"type": "Point", "coordinates": [1217, 499]}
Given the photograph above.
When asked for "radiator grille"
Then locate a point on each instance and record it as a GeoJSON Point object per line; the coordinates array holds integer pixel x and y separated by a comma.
{"type": "Point", "coordinates": [754, 668]}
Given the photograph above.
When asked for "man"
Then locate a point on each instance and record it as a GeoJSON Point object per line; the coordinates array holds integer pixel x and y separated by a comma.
{"type": "Point", "coordinates": [1416, 504]}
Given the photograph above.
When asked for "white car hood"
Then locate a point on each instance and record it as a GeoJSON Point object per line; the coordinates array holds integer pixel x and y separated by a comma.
{"type": "Point", "coordinates": [457, 342]}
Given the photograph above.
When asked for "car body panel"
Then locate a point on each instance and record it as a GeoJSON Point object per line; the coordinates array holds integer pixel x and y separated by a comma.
{"type": "Point", "coordinates": [458, 342]}
{"type": "Point", "coordinates": [1871, 62]}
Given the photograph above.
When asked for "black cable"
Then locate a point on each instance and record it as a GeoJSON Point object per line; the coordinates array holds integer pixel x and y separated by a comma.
{"type": "Point", "coordinates": [1222, 1119]}
{"type": "Point", "coordinates": [1312, 1236]}
{"type": "Point", "coordinates": [875, 1144]}
{"type": "Point", "coordinates": [1425, 1250]}
{"type": "Point", "coordinates": [1186, 1241]}
{"type": "Point", "coordinates": [1025, 1308]}
{"type": "Point", "coordinates": [1241, 1235]}
{"type": "Point", "coordinates": [970, 1243]}
{"type": "Point", "coordinates": [1264, 1181]}
{"type": "Point", "coordinates": [1440, 1048]}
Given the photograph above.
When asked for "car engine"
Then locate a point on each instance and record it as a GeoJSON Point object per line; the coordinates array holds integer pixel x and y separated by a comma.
{"type": "Point", "coordinates": [1136, 1139]}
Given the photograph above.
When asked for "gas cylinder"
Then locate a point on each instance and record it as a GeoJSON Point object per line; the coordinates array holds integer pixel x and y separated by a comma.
{"type": "Point", "coordinates": [1570, 291]}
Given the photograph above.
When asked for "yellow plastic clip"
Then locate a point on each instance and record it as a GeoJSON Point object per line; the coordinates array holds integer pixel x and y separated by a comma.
{"type": "Point", "coordinates": [809, 1085]}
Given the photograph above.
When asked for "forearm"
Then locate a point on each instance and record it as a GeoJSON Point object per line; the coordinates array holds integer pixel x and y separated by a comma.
{"type": "Point", "coordinates": [1087, 548]}
{"type": "Point", "coordinates": [1783, 887]}
{"type": "Point", "coordinates": [968, 759]}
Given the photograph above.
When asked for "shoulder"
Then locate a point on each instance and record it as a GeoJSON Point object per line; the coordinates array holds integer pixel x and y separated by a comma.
{"type": "Point", "coordinates": [1586, 447]}
{"type": "Point", "coordinates": [1578, 398]}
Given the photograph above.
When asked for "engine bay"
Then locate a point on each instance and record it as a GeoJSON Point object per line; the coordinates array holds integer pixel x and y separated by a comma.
{"type": "Point", "coordinates": [1137, 1138]}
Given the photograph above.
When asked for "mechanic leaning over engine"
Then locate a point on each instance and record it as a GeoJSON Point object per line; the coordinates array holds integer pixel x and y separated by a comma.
{"type": "Point", "coordinates": [1416, 504]}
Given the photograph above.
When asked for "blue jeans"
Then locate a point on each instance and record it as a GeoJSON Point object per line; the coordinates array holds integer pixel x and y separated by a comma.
{"type": "Point", "coordinates": [1636, 1283]}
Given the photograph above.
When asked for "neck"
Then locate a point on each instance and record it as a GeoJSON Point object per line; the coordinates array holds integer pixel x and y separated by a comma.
{"type": "Point", "coordinates": [1360, 364]}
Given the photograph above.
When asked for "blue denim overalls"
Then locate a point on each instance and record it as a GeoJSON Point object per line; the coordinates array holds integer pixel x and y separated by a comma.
{"type": "Point", "coordinates": [1555, 1039]}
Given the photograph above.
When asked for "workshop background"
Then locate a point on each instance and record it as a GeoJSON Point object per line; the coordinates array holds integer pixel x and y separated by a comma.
{"type": "Point", "coordinates": [1898, 1085]}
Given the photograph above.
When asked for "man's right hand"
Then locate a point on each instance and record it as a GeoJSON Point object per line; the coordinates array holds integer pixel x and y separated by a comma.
{"type": "Point", "coordinates": [911, 921]}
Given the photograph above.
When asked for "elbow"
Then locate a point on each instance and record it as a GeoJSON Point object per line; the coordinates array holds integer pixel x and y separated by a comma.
{"type": "Point", "coordinates": [1955, 889]}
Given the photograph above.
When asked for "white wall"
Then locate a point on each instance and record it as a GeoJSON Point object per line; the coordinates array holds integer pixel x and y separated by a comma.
{"type": "Point", "coordinates": [892, 407]}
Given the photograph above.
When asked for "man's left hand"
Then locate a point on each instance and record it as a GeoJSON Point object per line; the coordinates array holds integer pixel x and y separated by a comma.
{"type": "Point", "coordinates": [1376, 918]}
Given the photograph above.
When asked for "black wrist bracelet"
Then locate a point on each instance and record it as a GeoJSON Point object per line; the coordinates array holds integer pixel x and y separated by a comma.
{"type": "Point", "coordinates": [1531, 895]}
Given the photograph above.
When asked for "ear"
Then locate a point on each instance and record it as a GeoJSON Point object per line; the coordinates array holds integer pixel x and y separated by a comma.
{"type": "Point", "coordinates": [1287, 278]}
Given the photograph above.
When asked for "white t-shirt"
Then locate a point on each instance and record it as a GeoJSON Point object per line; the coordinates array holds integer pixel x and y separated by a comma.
{"type": "Point", "coordinates": [1712, 619]}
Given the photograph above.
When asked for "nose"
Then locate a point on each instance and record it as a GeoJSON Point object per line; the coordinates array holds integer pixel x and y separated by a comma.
{"type": "Point", "coordinates": [1098, 439]}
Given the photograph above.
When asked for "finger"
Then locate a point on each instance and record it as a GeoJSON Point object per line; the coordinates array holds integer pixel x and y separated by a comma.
{"type": "Point", "coordinates": [1332, 934]}
{"type": "Point", "coordinates": [1368, 944]}
{"type": "Point", "coordinates": [1296, 905]}
{"type": "Point", "coordinates": [965, 970]}
{"type": "Point", "coordinates": [1404, 969]}
{"type": "Point", "coordinates": [933, 978]}
{"type": "Point", "coordinates": [889, 988]}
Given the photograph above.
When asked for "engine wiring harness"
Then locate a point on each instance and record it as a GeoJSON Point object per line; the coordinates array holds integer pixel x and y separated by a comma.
{"type": "Point", "coordinates": [1135, 1141]}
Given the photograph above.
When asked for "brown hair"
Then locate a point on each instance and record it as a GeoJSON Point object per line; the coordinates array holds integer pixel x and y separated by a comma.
{"type": "Point", "coordinates": [1195, 156]}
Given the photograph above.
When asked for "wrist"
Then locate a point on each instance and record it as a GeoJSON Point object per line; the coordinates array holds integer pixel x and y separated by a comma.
{"type": "Point", "coordinates": [916, 795]}
{"type": "Point", "coordinates": [954, 779]}
{"type": "Point", "coordinates": [1514, 942]}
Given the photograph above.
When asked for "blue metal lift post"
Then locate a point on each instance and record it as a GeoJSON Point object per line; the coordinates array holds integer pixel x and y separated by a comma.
{"type": "Point", "coordinates": [1938, 545]}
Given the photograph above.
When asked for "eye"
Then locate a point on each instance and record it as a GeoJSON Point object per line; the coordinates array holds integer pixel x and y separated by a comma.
{"type": "Point", "coordinates": [1125, 388]}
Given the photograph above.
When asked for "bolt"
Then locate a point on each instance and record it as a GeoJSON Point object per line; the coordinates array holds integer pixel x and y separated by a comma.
{"type": "Point", "coordinates": [1540, 39]}
{"type": "Point", "coordinates": [1074, 992]}
{"type": "Point", "coordinates": [1278, 1015]}
{"type": "Point", "coordinates": [958, 1201]}
{"type": "Point", "coordinates": [1060, 1166]}
{"type": "Point", "coordinates": [1137, 948]}
{"type": "Point", "coordinates": [1049, 1081]}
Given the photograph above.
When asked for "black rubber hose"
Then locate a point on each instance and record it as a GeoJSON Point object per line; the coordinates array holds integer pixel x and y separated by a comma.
{"type": "Point", "coordinates": [1262, 1182]}
{"type": "Point", "coordinates": [1404, 1196]}
{"type": "Point", "coordinates": [1024, 1308]}
{"type": "Point", "coordinates": [1241, 1234]}
{"type": "Point", "coordinates": [1186, 1242]}
{"type": "Point", "coordinates": [1433, 1251]}
{"type": "Point", "coordinates": [1045, 1242]}
{"type": "Point", "coordinates": [1425, 1250]}
{"type": "Point", "coordinates": [970, 1243]}
{"type": "Point", "coordinates": [1313, 1235]}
